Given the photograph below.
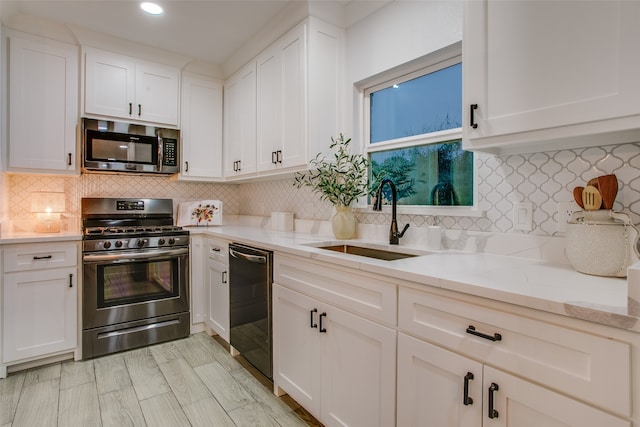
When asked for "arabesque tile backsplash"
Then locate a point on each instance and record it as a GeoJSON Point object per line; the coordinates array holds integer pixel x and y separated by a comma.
{"type": "Point", "coordinates": [544, 179]}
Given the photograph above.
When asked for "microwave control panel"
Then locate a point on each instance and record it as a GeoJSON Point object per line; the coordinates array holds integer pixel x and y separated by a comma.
{"type": "Point", "coordinates": [170, 157]}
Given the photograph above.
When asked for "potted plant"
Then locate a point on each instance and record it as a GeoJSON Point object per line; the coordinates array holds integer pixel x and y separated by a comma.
{"type": "Point", "coordinates": [340, 181]}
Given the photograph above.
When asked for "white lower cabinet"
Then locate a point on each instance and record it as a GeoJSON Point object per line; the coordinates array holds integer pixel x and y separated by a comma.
{"type": "Point", "coordinates": [39, 301]}
{"type": "Point", "coordinates": [216, 289]}
{"type": "Point", "coordinates": [337, 365]}
{"type": "Point", "coordinates": [209, 285]}
{"type": "Point", "coordinates": [531, 373]}
{"type": "Point", "coordinates": [441, 388]}
{"type": "Point", "coordinates": [514, 402]}
{"type": "Point", "coordinates": [461, 361]}
{"type": "Point", "coordinates": [437, 387]}
{"type": "Point", "coordinates": [196, 282]}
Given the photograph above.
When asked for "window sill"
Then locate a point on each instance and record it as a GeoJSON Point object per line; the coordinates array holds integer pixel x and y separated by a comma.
{"type": "Point", "coordinates": [461, 211]}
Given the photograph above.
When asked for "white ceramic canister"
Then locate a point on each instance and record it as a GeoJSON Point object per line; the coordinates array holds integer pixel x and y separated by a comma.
{"type": "Point", "coordinates": [282, 221]}
{"type": "Point", "coordinates": [601, 243]}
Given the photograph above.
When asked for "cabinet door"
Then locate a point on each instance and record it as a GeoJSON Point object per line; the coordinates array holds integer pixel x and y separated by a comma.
{"type": "Point", "coordinates": [39, 313]}
{"type": "Point", "coordinates": [431, 386]}
{"type": "Point", "coordinates": [269, 107]}
{"type": "Point", "coordinates": [197, 267]}
{"type": "Point", "coordinates": [217, 298]}
{"type": "Point", "coordinates": [296, 347]}
{"type": "Point", "coordinates": [201, 128]}
{"type": "Point", "coordinates": [240, 123]}
{"type": "Point", "coordinates": [294, 111]}
{"type": "Point", "coordinates": [519, 403]}
{"type": "Point", "coordinates": [157, 89]}
{"type": "Point", "coordinates": [281, 102]}
{"type": "Point", "coordinates": [534, 67]}
{"type": "Point", "coordinates": [109, 84]}
{"type": "Point", "coordinates": [43, 105]}
{"type": "Point", "coordinates": [358, 370]}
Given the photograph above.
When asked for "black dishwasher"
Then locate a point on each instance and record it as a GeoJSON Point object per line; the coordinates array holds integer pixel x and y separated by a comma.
{"type": "Point", "coordinates": [250, 278]}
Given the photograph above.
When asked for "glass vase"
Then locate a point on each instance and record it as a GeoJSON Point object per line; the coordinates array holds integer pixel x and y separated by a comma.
{"type": "Point", "coordinates": [343, 223]}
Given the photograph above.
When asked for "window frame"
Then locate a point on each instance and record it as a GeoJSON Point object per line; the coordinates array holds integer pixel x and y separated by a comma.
{"type": "Point", "coordinates": [430, 63]}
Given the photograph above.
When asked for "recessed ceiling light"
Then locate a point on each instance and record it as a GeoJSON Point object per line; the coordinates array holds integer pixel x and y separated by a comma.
{"type": "Point", "coordinates": [151, 8]}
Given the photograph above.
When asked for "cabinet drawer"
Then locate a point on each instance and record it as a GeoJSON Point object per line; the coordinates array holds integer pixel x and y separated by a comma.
{"type": "Point", "coordinates": [586, 366]}
{"type": "Point", "coordinates": [360, 293]}
{"type": "Point", "coordinates": [217, 250]}
{"type": "Point", "coordinates": [39, 256]}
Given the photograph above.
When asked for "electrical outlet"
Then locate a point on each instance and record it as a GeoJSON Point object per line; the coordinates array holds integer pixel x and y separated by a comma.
{"type": "Point", "coordinates": [523, 216]}
{"type": "Point", "coordinates": [565, 210]}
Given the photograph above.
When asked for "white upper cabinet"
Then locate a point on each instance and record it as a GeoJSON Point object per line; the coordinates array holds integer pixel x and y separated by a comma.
{"type": "Point", "coordinates": [240, 123]}
{"type": "Point", "coordinates": [123, 87]}
{"type": "Point", "coordinates": [43, 105]}
{"type": "Point", "coordinates": [297, 100]}
{"type": "Point", "coordinates": [281, 112]}
{"type": "Point", "coordinates": [201, 129]}
{"type": "Point", "coordinates": [550, 75]}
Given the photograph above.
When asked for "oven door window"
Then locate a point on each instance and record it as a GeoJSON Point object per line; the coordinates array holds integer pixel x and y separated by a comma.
{"type": "Point", "coordinates": [135, 282]}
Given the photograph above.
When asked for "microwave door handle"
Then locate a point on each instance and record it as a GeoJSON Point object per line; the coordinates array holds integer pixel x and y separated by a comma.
{"type": "Point", "coordinates": [160, 151]}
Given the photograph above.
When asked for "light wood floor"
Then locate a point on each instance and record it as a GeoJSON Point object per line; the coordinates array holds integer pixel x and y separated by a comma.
{"type": "Point", "coordinates": [189, 382]}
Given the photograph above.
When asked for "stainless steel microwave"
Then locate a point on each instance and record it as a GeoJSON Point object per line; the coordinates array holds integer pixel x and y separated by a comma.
{"type": "Point", "coordinates": [110, 146]}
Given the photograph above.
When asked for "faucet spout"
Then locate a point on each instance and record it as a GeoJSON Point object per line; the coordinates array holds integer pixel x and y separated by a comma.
{"type": "Point", "coordinates": [394, 235]}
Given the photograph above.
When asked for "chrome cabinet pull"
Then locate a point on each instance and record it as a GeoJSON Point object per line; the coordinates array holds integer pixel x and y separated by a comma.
{"type": "Point", "coordinates": [466, 400]}
{"type": "Point", "coordinates": [274, 157]}
{"type": "Point", "coordinates": [279, 156]}
{"type": "Point", "coordinates": [495, 337]}
{"type": "Point", "coordinates": [472, 119]}
{"type": "Point", "coordinates": [492, 411]}
{"type": "Point", "coordinates": [312, 324]}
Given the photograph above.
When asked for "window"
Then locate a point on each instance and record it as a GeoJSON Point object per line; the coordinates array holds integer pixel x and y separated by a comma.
{"type": "Point", "coordinates": [413, 130]}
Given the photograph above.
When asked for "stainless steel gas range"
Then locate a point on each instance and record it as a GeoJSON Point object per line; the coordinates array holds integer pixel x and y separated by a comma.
{"type": "Point", "coordinates": [135, 275]}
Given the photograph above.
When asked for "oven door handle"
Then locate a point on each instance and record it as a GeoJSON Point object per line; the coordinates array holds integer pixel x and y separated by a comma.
{"type": "Point", "coordinates": [252, 258]}
{"type": "Point", "coordinates": [120, 257]}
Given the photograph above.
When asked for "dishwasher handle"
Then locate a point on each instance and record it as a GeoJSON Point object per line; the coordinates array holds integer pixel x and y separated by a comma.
{"type": "Point", "coordinates": [260, 259]}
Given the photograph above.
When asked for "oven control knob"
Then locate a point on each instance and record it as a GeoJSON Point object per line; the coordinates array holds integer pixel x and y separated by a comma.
{"type": "Point", "coordinates": [106, 245]}
{"type": "Point", "coordinates": [161, 241]}
{"type": "Point", "coordinates": [118, 244]}
{"type": "Point", "coordinates": [171, 240]}
{"type": "Point", "coordinates": [141, 242]}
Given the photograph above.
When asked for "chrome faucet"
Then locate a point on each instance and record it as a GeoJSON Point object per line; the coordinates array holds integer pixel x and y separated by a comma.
{"type": "Point", "coordinates": [394, 236]}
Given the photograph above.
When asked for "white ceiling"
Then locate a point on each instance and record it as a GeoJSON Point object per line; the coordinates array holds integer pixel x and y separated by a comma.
{"type": "Point", "coordinates": [208, 30]}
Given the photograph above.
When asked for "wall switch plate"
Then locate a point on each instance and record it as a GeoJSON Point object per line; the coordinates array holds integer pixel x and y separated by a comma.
{"type": "Point", "coordinates": [523, 216]}
{"type": "Point", "coordinates": [565, 209]}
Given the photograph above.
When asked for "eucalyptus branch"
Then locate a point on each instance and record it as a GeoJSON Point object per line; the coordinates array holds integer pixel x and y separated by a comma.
{"type": "Point", "coordinates": [340, 182]}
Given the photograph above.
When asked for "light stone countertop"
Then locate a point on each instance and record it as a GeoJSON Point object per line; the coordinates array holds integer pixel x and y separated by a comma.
{"type": "Point", "coordinates": [32, 237]}
{"type": "Point", "coordinates": [532, 283]}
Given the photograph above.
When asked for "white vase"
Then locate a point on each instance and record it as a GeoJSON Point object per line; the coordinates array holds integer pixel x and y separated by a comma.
{"type": "Point", "coordinates": [343, 223]}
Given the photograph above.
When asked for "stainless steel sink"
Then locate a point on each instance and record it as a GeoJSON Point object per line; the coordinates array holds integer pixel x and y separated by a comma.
{"type": "Point", "coordinates": [368, 252]}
